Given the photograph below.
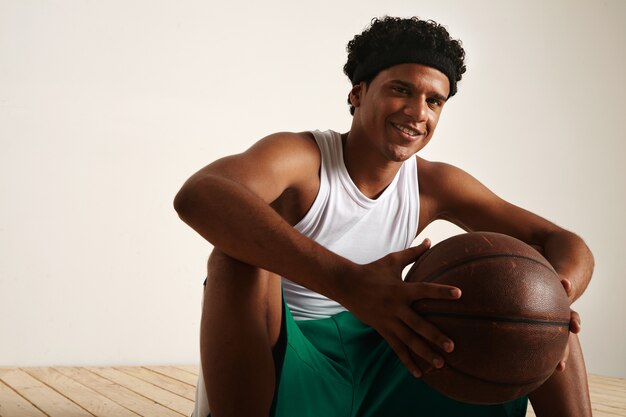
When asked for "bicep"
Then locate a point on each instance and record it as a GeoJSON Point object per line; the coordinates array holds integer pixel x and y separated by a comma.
{"type": "Point", "coordinates": [269, 167]}
{"type": "Point", "coordinates": [468, 203]}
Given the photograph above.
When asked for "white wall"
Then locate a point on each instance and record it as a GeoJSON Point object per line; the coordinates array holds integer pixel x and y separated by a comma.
{"type": "Point", "coordinates": [107, 107]}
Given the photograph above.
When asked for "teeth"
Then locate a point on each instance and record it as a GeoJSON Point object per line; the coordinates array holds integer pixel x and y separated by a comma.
{"type": "Point", "coordinates": [406, 130]}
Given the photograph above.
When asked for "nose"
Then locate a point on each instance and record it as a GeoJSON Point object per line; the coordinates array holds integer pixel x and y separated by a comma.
{"type": "Point", "coordinates": [417, 108]}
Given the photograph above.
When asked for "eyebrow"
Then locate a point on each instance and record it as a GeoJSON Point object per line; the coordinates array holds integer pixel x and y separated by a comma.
{"type": "Point", "coordinates": [412, 88]}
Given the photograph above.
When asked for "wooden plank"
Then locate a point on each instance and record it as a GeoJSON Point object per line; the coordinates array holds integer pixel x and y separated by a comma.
{"type": "Point", "coordinates": [610, 379]}
{"type": "Point", "coordinates": [172, 385]}
{"type": "Point", "coordinates": [192, 369]}
{"type": "Point", "coordinates": [598, 411]}
{"type": "Point", "coordinates": [175, 373]}
{"type": "Point", "coordinates": [121, 395]}
{"type": "Point", "coordinates": [166, 391]}
{"type": "Point", "coordinates": [606, 389]}
{"type": "Point", "coordinates": [605, 383]}
{"type": "Point", "coordinates": [40, 395]}
{"type": "Point", "coordinates": [168, 399]}
{"type": "Point", "coordinates": [95, 403]}
{"type": "Point", "coordinates": [602, 411]}
{"type": "Point", "coordinates": [611, 399]}
{"type": "Point", "coordinates": [608, 395]}
{"type": "Point", "coordinates": [608, 408]}
{"type": "Point", "coordinates": [611, 390]}
{"type": "Point", "coordinates": [12, 404]}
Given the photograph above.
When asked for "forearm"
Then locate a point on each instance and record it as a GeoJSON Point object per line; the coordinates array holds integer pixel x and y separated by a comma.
{"type": "Point", "coordinates": [571, 258]}
{"type": "Point", "coordinates": [245, 227]}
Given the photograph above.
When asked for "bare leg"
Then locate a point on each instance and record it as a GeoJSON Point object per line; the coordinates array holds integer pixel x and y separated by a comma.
{"type": "Point", "coordinates": [240, 325]}
{"type": "Point", "coordinates": [566, 393]}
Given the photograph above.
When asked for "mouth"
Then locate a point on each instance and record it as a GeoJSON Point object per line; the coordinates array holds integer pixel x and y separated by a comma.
{"type": "Point", "coordinates": [412, 133]}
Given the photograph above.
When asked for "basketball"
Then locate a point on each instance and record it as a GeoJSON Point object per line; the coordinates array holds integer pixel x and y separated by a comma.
{"type": "Point", "coordinates": [511, 325]}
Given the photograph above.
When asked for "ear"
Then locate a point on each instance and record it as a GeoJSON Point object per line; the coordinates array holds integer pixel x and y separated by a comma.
{"type": "Point", "coordinates": [355, 94]}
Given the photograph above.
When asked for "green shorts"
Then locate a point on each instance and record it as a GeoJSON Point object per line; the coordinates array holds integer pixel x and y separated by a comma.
{"type": "Point", "coordinates": [340, 367]}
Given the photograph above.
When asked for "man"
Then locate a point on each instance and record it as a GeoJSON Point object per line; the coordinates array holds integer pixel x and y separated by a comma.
{"type": "Point", "coordinates": [334, 215]}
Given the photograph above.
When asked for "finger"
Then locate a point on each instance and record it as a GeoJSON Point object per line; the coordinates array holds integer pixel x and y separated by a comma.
{"type": "Point", "coordinates": [563, 362]}
{"type": "Point", "coordinates": [404, 354]}
{"type": "Point", "coordinates": [418, 346]}
{"type": "Point", "coordinates": [574, 322]}
{"type": "Point", "coordinates": [413, 253]}
{"type": "Point", "coordinates": [421, 290]}
{"type": "Point", "coordinates": [427, 330]}
{"type": "Point", "coordinates": [567, 285]}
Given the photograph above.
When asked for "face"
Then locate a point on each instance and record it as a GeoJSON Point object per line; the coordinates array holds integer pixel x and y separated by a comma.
{"type": "Point", "coordinates": [398, 111]}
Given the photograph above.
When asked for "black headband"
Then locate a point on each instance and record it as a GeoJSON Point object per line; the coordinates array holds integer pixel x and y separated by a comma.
{"type": "Point", "coordinates": [381, 60]}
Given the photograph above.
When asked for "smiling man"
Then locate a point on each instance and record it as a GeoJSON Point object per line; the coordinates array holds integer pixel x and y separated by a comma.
{"type": "Point", "coordinates": [305, 310]}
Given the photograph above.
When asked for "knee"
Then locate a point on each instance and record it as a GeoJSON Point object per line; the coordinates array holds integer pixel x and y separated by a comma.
{"type": "Point", "coordinates": [242, 288]}
{"type": "Point", "coordinates": [231, 274]}
{"type": "Point", "coordinates": [240, 296]}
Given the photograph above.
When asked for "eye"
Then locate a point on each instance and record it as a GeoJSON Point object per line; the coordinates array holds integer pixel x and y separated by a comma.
{"type": "Point", "coordinates": [435, 102]}
{"type": "Point", "coordinates": [400, 90]}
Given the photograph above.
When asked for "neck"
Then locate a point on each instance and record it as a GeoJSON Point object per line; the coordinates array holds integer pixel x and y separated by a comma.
{"type": "Point", "coordinates": [371, 173]}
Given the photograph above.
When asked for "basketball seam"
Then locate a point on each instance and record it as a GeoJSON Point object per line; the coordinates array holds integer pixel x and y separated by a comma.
{"type": "Point", "coordinates": [434, 275]}
{"type": "Point", "coordinates": [504, 319]}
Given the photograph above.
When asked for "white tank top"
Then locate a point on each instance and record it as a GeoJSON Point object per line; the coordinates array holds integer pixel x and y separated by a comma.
{"type": "Point", "coordinates": [352, 225]}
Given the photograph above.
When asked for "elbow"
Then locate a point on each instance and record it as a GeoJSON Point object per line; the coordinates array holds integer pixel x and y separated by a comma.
{"type": "Point", "coordinates": [183, 201]}
{"type": "Point", "coordinates": [586, 260]}
{"type": "Point", "coordinates": [193, 200]}
{"type": "Point", "coordinates": [585, 255]}
{"type": "Point", "coordinates": [591, 262]}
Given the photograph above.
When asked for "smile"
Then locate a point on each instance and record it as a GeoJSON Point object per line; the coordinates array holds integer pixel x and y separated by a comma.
{"type": "Point", "coordinates": [407, 130]}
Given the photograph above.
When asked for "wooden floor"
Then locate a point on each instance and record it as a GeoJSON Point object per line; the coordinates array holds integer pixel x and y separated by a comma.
{"type": "Point", "coordinates": [104, 392]}
{"type": "Point", "coordinates": [163, 391]}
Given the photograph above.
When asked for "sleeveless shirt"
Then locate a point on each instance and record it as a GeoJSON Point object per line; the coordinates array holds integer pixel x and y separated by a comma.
{"type": "Point", "coordinates": [352, 225]}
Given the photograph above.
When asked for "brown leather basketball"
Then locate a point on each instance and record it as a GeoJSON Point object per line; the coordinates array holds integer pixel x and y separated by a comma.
{"type": "Point", "coordinates": [511, 325]}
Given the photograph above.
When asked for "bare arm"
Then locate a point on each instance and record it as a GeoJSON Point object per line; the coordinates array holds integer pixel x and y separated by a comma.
{"type": "Point", "coordinates": [228, 203]}
{"type": "Point", "coordinates": [456, 196]}
{"type": "Point", "coordinates": [230, 199]}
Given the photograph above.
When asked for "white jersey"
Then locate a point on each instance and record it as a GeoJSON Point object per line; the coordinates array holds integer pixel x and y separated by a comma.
{"type": "Point", "coordinates": [352, 225]}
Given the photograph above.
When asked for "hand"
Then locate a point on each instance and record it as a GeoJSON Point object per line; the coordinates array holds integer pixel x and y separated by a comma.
{"type": "Point", "coordinates": [574, 324]}
{"type": "Point", "coordinates": [383, 301]}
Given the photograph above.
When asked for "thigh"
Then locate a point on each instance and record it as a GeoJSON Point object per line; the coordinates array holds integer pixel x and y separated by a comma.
{"type": "Point", "coordinates": [240, 294]}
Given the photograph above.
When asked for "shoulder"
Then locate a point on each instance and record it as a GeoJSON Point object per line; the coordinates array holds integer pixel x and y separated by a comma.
{"type": "Point", "coordinates": [446, 190]}
{"type": "Point", "coordinates": [290, 164]}
{"type": "Point", "coordinates": [285, 152]}
{"type": "Point", "coordinates": [282, 142]}
{"type": "Point", "coordinates": [436, 177]}
{"type": "Point", "coordinates": [271, 165]}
